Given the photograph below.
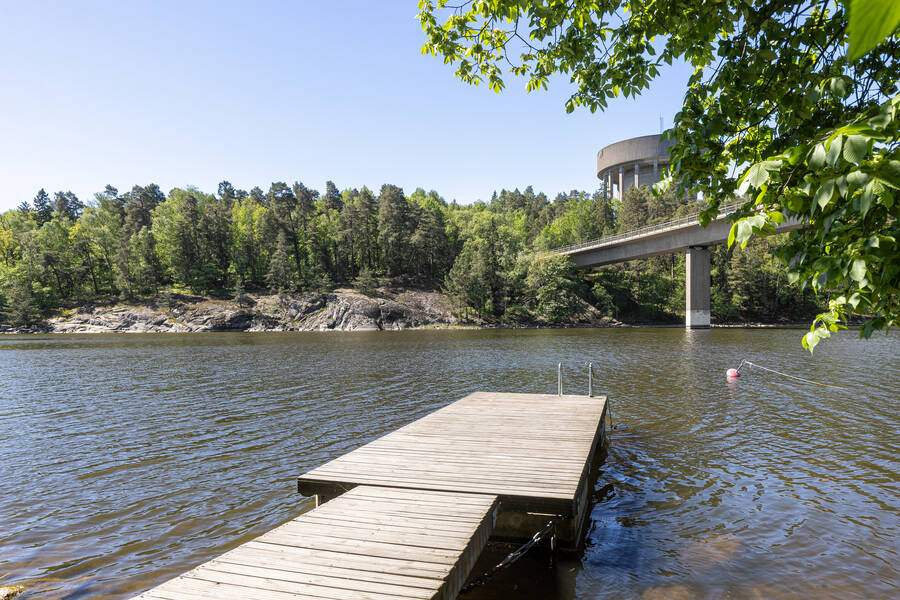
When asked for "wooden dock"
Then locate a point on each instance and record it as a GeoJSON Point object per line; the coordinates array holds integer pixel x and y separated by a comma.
{"type": "Point", "coordinates": [533, 451]}
{"type": "Point", "coordinates": [407, 515]}
{"type": "Point", "coordinates": [371, 543]}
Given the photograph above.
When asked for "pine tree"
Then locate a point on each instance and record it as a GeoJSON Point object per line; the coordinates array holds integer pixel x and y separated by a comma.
{"type": "Point", "coordinates": [228, 194]}
{"type": "Point", "coordinates": [291, 217]}
{"type": "Point", "coordinates": [20, 309]}
{"type": "Point", "coordinates": [125, 279]}
{"type": "Point", "coordinates": [430, 243]}
{"type": "Point", "coordinates": [281, 273]}
{"type": "Point", "coordinates": [138, 205]}
{"type": "Point", "coordinates": [239, 291]}
{"type": "Point", "coordinates": [367, 215]}
{"type": "Point", "coordinates": [460, 284]}
{"type": "Point", "coordinates": [332, 198]}
{"type": "Point", "coordinates": [394, 229]}
{"type": "Point", "coordinates": [42, 208]}
{"type": "Point", "coordinates": [366, 282]}
{"type": "Point", "coordinates": [148, 271]}
{"type": "Point", "coordinates": [68, 205]}
{"type": "Point", "coordinates": [487, 264]}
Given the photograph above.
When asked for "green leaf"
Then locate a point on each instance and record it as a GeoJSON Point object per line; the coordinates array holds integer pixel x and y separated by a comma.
{"type": "Point", "coordinates": [661, 186]}
{"type": "Point", "coordinates": [824, 194]}
{"type": "Point", "coordinates": [882, 119]}
{"type": "Point", "coordinates": [865, 200]}
{"type": "Point", "coordinates": [857, 179]}
{"type": "Point", "coordinates": [705, 219]}
{"type": "Point", "coordinates": [890, 173]}
{"type": "Point", "coordinates": [867, 329]}
{"type": "Point", "coordinates": [841, 184]}
{"type": "Point", "coordinates": [833, 155]}
{"type": "Point", "coordinates": [810, 340]}
{"type": "Point", "coordinates": [756, 221]}
{"type": "Point", "coordinates": [755, 176]}
{"type": "Point", "coordinates": [781, 92]}
{"type": "Point", "coordinates": [744, 231]}
{"type": "Point", "coordinates": [794, 155]}
{"type": "Point", "coordinates": [855, 148]}
{"type": "Point", "coordinates": [871, 21]}
{"type": "Point", "coordinates": [858, 270]}
{"type": "Point", "coordinates": [816, 158]}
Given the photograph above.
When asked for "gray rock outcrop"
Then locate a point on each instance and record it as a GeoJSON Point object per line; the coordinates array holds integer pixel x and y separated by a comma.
{"type": "Point", "coordinates": [342, 310]}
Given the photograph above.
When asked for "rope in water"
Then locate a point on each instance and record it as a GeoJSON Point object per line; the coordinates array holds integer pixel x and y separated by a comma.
{"type": "Point", "coordinates": [747, 362]}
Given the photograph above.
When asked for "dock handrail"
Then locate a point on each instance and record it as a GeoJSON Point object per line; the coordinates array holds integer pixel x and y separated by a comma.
{"type": "Point", "coordinates": [590, 380]}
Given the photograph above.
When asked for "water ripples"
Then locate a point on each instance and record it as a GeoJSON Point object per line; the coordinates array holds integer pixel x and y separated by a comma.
{"type": "Point", "coordinates": [129, 459]}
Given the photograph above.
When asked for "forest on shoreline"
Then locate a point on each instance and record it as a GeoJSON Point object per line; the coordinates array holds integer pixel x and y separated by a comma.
{"type": "Point", "coordinates": [486, 257]}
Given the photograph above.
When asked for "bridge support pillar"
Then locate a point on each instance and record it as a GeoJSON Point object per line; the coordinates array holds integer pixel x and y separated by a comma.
{"type": "Point", "coordinates": [696, 288]}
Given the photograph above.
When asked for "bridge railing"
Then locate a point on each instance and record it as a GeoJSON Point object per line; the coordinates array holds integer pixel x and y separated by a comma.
{"type": "Point", "coordinates": [724, 209]}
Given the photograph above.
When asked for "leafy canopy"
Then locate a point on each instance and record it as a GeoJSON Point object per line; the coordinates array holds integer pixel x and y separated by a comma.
{"type": "Point", "coordinates": [776, 110]}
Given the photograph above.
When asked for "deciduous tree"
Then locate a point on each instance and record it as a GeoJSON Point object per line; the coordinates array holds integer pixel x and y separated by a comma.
{"type": "Point", "coordinates": [776, 108]}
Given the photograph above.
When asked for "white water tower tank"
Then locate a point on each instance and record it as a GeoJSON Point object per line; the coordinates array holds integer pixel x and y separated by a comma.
{"type": "Point", "coordinates": [635, 161]}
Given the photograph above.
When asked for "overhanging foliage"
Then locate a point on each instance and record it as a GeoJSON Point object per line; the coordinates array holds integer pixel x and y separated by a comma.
{"type": "Point", "coordinates": [772, 83]}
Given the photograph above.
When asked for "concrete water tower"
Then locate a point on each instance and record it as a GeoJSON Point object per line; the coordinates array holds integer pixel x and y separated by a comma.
{"type": "Point", "coordinates": [640, 161]}
{"type": "Point", "coordinates": [636, 161]}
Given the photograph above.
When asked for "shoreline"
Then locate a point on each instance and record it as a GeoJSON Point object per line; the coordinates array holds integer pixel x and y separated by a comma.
{"type": "Point", "coordinates": [9, 331]}
{"type": "Point", "coordinates": [343, 309]}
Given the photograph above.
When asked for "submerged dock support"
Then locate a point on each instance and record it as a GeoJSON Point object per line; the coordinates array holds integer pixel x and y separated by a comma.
{"type": "Point", "coordinates": [696, 288]}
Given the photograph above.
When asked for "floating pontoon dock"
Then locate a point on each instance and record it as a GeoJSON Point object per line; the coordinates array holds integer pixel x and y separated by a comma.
{"type": "Point", "coordinates": [407, 515]}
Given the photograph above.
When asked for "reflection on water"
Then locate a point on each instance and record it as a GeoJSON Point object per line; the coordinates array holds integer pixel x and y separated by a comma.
{"type": "Point", "coordinates": [129, 459]}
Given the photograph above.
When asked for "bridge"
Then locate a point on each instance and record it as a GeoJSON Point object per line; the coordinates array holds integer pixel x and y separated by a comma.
{"type": "Point", "coordinates": [680, 235]}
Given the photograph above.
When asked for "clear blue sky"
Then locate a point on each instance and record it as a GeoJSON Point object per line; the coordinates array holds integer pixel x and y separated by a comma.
{"type": "Point", "coordinates": [191, 93]}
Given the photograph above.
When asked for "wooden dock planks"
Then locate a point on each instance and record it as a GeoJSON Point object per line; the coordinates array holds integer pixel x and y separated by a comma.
{"type": "Point", "coordinates": [412, 510]}
{"type": "Point", "coordinates": [531, 450]}
{"type": "Point", "coordinates": [370, 543]}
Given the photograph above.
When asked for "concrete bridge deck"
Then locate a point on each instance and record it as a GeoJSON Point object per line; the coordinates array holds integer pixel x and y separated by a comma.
{"type": "Point", "coordinates": [676, 235]}
{"type": "Point", "coordinates": [680, 235]}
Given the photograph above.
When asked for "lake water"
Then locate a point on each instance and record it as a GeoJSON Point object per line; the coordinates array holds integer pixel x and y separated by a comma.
{"type": "Point", "coordinates": [127, 459]}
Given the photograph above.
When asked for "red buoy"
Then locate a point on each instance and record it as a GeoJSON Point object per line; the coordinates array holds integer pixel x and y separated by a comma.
{"type": "Point", "coordinates": [731, 373]}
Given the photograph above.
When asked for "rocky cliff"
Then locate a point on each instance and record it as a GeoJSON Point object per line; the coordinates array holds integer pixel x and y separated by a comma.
{"type": "Point", "coordinates": [341, 310]}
